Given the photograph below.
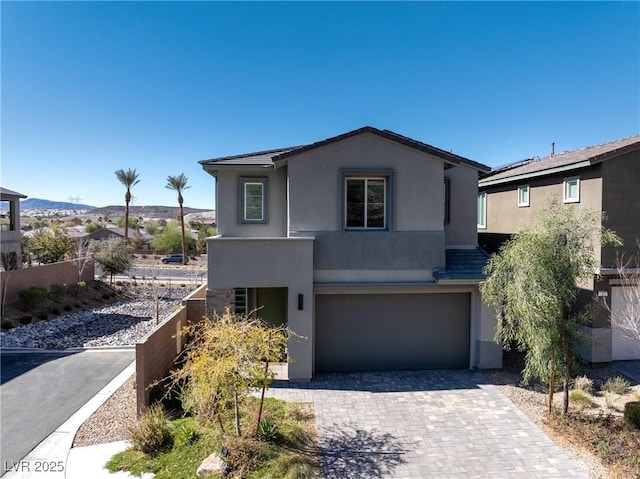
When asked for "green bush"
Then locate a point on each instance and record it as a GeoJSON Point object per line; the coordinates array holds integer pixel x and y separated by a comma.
{"type": "Point", "coordinates": [618, 385]}
{"type": "Point", "coordinates": [31, 297]}
{"type": "Point", "coordinates": [186, 433]}
{"type": "Point", "coordinates": [7, 324]}
{"type": "Point", "coordinates": [581, 398]}
{"type": "Point", "coordinates": [58, 289]}
{"type": "Point", "coordinates": [268, 430]}
{"type": "Point", "coordinates": [153, 433]}
{"type": "Point", "coordinates": [632, 413]}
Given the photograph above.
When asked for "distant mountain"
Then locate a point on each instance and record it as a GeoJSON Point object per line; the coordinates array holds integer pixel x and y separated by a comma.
{"type": "Point", "coordinates": [145, 211]}
{"type": "Point", "coordinates": [40, 204]}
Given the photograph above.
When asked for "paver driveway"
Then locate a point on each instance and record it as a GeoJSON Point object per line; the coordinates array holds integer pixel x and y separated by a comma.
{"type": "Point", "coordinates": [425, 424]}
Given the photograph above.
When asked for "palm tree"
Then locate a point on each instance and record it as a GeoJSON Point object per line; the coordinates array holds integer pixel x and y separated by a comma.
{"type": "Point", "coordinates": [128, 178]}
{"type": "Point", "coordinates": [179, 184]}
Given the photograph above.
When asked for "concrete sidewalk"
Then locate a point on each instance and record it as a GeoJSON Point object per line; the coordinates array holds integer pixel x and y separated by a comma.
{"type": "Point", "coordinates": [54, 457]}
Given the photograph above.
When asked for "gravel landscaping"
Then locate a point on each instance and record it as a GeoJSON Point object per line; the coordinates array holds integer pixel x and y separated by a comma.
{"type": "Point", "coordinates": [116, 324]}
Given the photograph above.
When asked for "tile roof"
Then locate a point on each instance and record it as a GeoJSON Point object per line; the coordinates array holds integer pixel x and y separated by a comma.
{"type": "Point", "coordinates": [578, 158]}
{"type": "Point", "coordinates": [463, 264]}
{"type": "Point", "coordinates": [270, 157]}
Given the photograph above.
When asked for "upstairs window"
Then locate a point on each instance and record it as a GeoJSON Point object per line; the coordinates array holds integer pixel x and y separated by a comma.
{"type": "Point", "coordinates": [482, 210]}
{"type": "Point", "coordinates": [523, 196]}
{"type": "Point", "coordinates": [253, 200]}
{"type": "Point", "coordinates": [365, 203]}
{"type": "Point", "coordinates": [572, 190]}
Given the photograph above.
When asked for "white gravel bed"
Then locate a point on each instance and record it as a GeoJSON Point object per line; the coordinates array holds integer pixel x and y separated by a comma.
{"type": "Point", "coordinates": [116, 324]}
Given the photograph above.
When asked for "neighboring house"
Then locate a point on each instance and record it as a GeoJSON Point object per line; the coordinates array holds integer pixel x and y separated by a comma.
{"type": "Point", "coordinates": [364, 244]}
{"type": "Point", "coordinates": [605, 178]}
{"type": "Point", "coordinates": [10, 230]}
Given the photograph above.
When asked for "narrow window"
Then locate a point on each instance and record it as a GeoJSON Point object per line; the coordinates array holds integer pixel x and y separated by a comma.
{"type": "Point", "coordinates": [253, 200]}
{"type": "Point", "coordinates": [523, 196]}
{"type": "Point", "coordinates": [482, 210]}
{"type": "Point", "coordinates": [572, 190]}
{"type": "Point", "coordinates": [365, 203]}
{"type": "Point", "coordinates": [447, 194]}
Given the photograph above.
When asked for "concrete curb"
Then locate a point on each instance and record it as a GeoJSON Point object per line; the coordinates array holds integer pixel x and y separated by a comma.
{"type": "Point", "coordinates": [52, 453]}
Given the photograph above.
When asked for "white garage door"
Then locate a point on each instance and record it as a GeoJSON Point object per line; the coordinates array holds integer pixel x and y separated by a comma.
{"type": "Point", "coordinates": [362, 332]}
{"type": "Point", "coordinates": [624, 307]}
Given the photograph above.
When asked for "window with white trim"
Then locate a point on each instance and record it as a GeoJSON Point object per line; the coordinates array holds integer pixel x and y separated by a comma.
{"type": "Point", "coordinates": [365, 202]}
{"type": "Point", "coordinates": [571, 187]}
{"type": "Point", "coordinates": [253, 200]}
{"type": "Point", "coordinates": [482, 210]}
{"type": "Point", "coordinates": [523, 196]}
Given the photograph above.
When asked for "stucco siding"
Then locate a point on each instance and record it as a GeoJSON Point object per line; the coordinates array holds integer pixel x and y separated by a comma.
{"type": "Point", "coordinates": [228, 191]}
{"type": "Point", "coordinates": [463, 193]}
{"type": "Point", "coordinates": [316, 184]}
{"type": "Point", "coordinates": [505, 216]}
{"type": "Point", "coordinates": [621, 202]}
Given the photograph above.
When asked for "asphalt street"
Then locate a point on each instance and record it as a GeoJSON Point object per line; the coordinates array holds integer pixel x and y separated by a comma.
{"type": "Point", "coordinates": [40, 390]}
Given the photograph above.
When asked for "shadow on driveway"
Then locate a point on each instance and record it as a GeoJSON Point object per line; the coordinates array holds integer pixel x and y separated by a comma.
{"type": "Point", "coordinates": [350, 452]}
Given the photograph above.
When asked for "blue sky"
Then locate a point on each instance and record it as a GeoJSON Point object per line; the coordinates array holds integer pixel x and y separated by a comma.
{"type": "Point", "coordinates": [91, 87]}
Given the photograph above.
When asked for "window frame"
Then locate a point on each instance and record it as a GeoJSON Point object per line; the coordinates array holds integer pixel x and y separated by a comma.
{"type": "Point", "coordinates": [368, 174]}
{"type": "Point", "coordinates": [565, 183]}
{"type": "Point", "coordinates": [482, 222]}
{"type": "Point", "coordinates": [523, 204]}
{"type": "Point", "coordinates": [242, 207]}
{"type": "Point", "coordinates": [447, 200]}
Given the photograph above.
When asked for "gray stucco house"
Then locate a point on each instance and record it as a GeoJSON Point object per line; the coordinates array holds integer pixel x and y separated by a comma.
{"type": "Point", "coordinates": [604, 178]}
{"type": "Point", "coordinates": [10, 229]}
{"type": "Point", "coordinates": [365, 244]}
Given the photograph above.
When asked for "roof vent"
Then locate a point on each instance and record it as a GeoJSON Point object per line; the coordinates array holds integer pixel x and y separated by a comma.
{"type": "Point", "coordinates": [553, 148]}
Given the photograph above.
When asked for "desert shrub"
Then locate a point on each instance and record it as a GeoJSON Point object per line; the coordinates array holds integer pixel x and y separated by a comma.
{"type": "Point", "coordinates": [106, 295]}
{"type": "Point", "coordinates": [605, 451]}
{"type": "Point", "coordinates": [153, 433]}
{"type": "Point", "coordinates": [245, 454]}
{"type": "Point", "coordinates": [55, 311]}
{"type": "Point", "coordinates": [268, 430]}
{"type": "Point", "coordinates": [118, 282]}
{"type": "Point", "coordinates": [25, 319]}
{"type": "Point", "coordinates": [581, 398]}
{"type": "Point", "coordinates": [31, 297]}
{"type": "Point", "coordinates": [43, 316]}
{"type": "Point", "coordinates": [7, 324]}
{"type": "Point", "coordinates": [632, 413]}
{"type": "Point", "coordinates": [618, 385]}
{"type": "Point", "coordinates": [583, 383]}
{"type": "Point", "coordinates": [58, 289]}
{"type": "Point", "coordinates": [67, 307]}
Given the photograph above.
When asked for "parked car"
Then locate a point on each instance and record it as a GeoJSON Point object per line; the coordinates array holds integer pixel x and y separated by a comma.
{"type": "Point", "coordinates": [173, 258]}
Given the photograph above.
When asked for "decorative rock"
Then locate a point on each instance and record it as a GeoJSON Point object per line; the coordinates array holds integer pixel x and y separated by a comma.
{"type": "Point", "coordinates": [117, 324]}
{"type": "Point", "coordinates": [211, 465]}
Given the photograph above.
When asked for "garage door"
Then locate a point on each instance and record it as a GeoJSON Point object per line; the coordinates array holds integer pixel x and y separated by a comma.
{"type": "Point", "coordinates": [391, 332]}
{"type": "Point", "coordinates": [623, 345]}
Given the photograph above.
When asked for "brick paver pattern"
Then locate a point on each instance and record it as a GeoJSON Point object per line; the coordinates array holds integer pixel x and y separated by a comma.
{"type": "Point", "coordinates": [425, 424]}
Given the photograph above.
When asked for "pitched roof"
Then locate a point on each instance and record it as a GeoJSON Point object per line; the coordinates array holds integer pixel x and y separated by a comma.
{"type": "Point", "coordinates": [562, 161]}
{"type": "Point", "coordinates": [270, 158]}
{"type": "Point", "coordinates": [4, 192]}
{"type": "Point", "coordinates": [462, 264]}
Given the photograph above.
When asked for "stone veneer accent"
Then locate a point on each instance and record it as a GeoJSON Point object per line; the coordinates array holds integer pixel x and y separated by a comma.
{"type": "Point", "coordinates": [217, 300]}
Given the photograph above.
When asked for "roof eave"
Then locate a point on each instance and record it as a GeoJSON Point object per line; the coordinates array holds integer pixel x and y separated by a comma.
{"type": "Point", "coordinates": [535, 174]}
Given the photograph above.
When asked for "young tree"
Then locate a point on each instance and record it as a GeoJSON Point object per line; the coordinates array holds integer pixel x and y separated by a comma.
{"type": "Point", "coordinates": [532, 282]}
{"type": "Point", "coordinates": [114, 256]}
{"type": "Point", "coordinates": [50, 245]}
{"type": "Point", "coordinates": [225, 360]}
{"type": "Point", "coordinates": [128, 178]}
{"type": "Point", "coordinates": [179, 184]}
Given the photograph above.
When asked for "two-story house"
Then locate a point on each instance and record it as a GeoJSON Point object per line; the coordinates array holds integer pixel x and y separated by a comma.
{"type": "Point", "coordinates": [364, 244]}
{"type": "Point", "coordinates": [10, 235]}
{"type": "Point", "coordinates": [604, 178]}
